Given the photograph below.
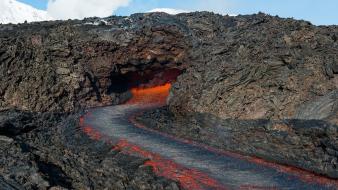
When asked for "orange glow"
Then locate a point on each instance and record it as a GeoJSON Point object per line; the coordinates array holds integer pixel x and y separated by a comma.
{"type": "Point", "coordinates": [93, 134]}
{"type": "Point", "coordinates": [188, 178]}
{"type": "Point", "coordinates": [88, 130]}
{"type": "Point", "coordinates": [304, 175]}
{"type": "Point", "coordinates": [157, 94]}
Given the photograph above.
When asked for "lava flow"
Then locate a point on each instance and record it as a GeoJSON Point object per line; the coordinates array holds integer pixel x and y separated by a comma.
{"type": "Point", "coordinates": [193, 166]}
{"type": "Point", "coordinates": [157, 95]}
{"type": "Point", "coordinates": [188, 178]}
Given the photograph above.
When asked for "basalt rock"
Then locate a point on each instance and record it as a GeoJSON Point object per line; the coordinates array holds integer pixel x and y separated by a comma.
{"type": "Point", "coordinates": [64, 66]}
{"type": "Point", "coordinates": [57, 154]}
{"type": "Point", "coordinates": [308, 144]}
{"type": "Point", "coordinates": [259, 67]}
{"type": "Point", "coordinates": [244, 67]}
{"type": "Point", "coordinates": [240, 70]}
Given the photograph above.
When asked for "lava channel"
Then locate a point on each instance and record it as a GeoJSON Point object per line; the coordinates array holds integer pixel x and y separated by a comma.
{"type": "Point", "coordinates": [193, 165]}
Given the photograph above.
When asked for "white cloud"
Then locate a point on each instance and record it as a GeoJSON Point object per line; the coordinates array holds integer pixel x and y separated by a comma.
{"type": "Point", "coordinates": [168, 10]}
{"type": "Point", "coordinates": [79, 9]}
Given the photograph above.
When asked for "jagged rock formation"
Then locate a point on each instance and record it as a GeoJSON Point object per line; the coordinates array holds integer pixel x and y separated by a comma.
{"type": "Point", "coordinates": [62, 66]}
{"type": "Point", "coordinates": [65, 67]}
{"type": "Point", "coordinates": [260, 67]}
{"type": "Point", "coordinates": [48, 151]}
{"type": "Point", "coordinates": [278, 68]}
{"type": "Point", "coordinates": [242, 69]}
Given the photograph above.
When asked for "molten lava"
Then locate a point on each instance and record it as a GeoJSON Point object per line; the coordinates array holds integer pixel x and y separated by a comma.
{"type": "Point", "coordinates": [188, 178]}
{"type": "Point", "coordinates": [150, 95]}
{"type": "Point", "coordinates": [90, 131]}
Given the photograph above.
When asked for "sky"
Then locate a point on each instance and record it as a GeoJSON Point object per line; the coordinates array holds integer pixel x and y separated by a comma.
{"type": "Point", "coordinates": [319, 12]}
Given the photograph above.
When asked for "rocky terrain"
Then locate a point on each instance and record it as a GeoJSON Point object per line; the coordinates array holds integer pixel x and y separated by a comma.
{"type": "Point", "coordinates": [270, 83]}
{"type": "Point", "coordinates": [256, 84]}
{"type": "Point", "coordinates": [307, 144]}
{"type": "Point", "coordinates": [278, 68]}
{"type": "Point", "coordinates": [49, 151]}
{"type": "Point", "coordinates": [64, 66]}
{"type": "Point", "coordinates": [260, 67]}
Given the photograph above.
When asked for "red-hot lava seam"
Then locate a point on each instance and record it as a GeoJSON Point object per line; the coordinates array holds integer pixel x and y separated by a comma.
{"type": "Point", "coordinates": [255, 187]}
{"type": "Point", "coordinates": [188, 178]}
{"type": "Point", "coordinates": [304, 175]}
{"type": "Point", "coordinates": [90, 131]}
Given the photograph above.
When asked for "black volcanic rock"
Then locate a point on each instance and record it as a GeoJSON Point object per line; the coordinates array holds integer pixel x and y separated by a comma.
{"type": "Point", "coordinates": [306, 144]}
{"type": "Point", "coordinates": [241, 70]}
{"type": "Point", "coordinates": [244, 67]}
{"type": "Point", "coordinates": [259, 67]}
{"type": "Point", "coordinates": [63, 66]}
{"type": "Point", "coordinates": [56, 154]}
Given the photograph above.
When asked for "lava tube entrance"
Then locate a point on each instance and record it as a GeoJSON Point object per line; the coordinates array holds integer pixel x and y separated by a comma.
{"type": "Point", "coordinates": [146, 87]}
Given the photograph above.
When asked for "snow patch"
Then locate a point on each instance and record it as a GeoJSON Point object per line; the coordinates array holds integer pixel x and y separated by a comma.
{"type": "Point", "coordinates": [169, 11]}
{"type": "Point", "coordinates": [12, 11]}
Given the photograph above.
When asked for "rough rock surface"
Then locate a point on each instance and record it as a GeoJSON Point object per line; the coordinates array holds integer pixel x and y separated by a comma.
{"type": "Point", "coordinates": [243, 69]}
{"type": "Point", "coordinates": [49, 151]}
{"type": "Point", "coordinates": [63, 66]}
{"type": "Point", "coordinates": [259, 67]}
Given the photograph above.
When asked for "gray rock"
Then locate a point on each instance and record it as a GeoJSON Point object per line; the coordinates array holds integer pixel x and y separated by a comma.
{"type": "Point", "coordinates": [6, 139]}
{"type": "Point", "coordinates": [62, 71]}
{"type": "Point", "coordinates": [318, 109]}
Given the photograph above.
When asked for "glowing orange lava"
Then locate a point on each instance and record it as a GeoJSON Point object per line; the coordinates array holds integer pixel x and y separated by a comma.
{"type": "Point", "coordinates": [88, 130]}
{"type": "Point", "coordinates": [188, 178]}
{"type": "Point", "coordinates": [157, 94]}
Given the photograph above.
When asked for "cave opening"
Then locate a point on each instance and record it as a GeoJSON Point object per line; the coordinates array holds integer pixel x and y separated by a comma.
{"type": "Point", "coordinates": [144, 78]}
{"type": "Point", "coordinates": [134, 83]}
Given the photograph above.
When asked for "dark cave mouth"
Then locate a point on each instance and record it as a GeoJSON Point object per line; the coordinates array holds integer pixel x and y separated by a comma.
{"type": "Point", "coordinates": [121, 83]}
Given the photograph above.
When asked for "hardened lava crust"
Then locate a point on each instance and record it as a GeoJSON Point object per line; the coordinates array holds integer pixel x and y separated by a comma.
{"type": "Point", "coordinates": [256, 84]}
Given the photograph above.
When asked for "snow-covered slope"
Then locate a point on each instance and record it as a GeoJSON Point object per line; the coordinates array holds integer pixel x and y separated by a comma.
{"type": "Point", "coordinates": [168, 10]}
{"type": "Point", "coordinates": [12, 11]}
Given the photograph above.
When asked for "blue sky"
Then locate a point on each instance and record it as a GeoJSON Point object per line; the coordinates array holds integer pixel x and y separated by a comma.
{"type": "Point", "coordinates": [316, 11]}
